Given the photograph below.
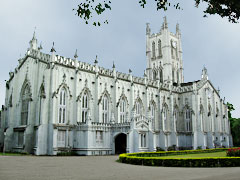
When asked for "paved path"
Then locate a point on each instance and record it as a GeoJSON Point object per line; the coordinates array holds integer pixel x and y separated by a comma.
{"type": "Point", "coordinates": [101, 168]}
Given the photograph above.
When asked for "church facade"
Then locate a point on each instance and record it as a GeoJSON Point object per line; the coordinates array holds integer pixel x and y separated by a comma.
{"type": "Point", "coordinates": [55, 104]}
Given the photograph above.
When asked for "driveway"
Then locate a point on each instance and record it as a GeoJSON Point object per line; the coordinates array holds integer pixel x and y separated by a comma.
{"type": "Point", "coordinates": [101, 168]}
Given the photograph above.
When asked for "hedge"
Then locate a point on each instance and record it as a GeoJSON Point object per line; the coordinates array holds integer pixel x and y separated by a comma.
{"type": "Point", "coordinates": [154, 159]}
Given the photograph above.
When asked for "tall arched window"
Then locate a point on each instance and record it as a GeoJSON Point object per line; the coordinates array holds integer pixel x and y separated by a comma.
{"type": "Point", "coordinates": [159, 48]}
{"type": "Point", "coordinates": [161, 75]}
{"type": "Point", "coordinates": [154, 75]}
{"type": "Point", "coordinates": [105, 109]}
{"type": "Point", "coordinates": [165, 116]}
{"type": "Point", "coordinates": [173, 76]}
{"type": "Point", "coordinates": [25, 105]}
{"type": "Point", "coordinates": [175, 119]}
{"type": "Point", "coordinates": [62, 107]}
{"type": "Point", "coordinates": [188, 118]}
{"type": "Point", "coordinates": [210, 117]}
{"type": "Point", "coordinates": [201, 120]}
{"type": "Point", "coordinates": [84, 107]}
{"type": "Point", "coordinates": [153, 115]}
{"type": "Point", "coordinates": [153, 50]}
{"type": "Point", "coordinates": [138, 110]}
{"type": "Point", "coordinates": [178, 80]}
{"type": "Point", "coordinates": [122, 110]}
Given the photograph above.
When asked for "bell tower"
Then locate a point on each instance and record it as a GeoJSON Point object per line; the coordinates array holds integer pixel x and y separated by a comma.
{"type": "Point", "coordinates": [164, 55]}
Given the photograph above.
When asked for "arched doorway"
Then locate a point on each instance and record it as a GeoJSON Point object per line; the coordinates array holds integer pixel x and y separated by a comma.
{"type": "Point", "coordinates": [120, 143]}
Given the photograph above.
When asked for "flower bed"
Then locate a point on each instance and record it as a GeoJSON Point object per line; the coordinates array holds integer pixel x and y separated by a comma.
{"type": "Point", "coordinates": [157, 159]}
{"type": "Point", "coordinates": [234, 152]}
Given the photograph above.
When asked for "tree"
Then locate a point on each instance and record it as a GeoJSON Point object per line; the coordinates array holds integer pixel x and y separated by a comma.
{"type": "Point", "coordinates": [87, 9]}
{"type": "Point", "coordinates": [235, 125]}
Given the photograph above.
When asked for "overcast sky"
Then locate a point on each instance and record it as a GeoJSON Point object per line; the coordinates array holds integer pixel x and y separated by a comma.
{"type": "Point", "coordinates": [212, 41]}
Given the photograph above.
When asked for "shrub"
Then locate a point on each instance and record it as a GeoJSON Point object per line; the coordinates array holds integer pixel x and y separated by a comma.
{"type": "Point", "coordinates": [159, 149]}
{"type": "Point", "coordinates": [199, 147]}
{"type": "Point", "coordinates": [155, 159]}
{"type": "Point", "coordinates": [172, 148]}
{"type": "Point", "coordinates": [67, 153]}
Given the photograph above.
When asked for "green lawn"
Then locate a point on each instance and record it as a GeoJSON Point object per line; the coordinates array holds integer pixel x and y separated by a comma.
{"type": "Point", "coordinates": [11, 154]}
{"type": "Point", "coordinates": [216, 154]}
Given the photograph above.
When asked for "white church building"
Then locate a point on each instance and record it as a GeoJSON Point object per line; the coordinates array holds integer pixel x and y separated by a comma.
{"type": "Point", "coordinates": [55, 104]}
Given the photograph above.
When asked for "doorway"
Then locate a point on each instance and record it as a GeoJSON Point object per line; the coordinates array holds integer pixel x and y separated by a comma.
{"type": "Point", "coordinates": [120, 143]}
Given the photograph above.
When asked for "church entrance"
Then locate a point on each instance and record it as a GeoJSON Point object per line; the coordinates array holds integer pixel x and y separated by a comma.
{"type": "Point", "coordinates": [120, 143]}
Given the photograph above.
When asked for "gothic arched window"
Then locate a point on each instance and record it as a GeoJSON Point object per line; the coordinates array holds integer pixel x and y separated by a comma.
{"type": "Point", "coordinates": [154, 75]}
{"type": "Point", "coordinates": [153, 50]}
{"type": "Point", "coordinates": [153, 115]}
{"type": "Point", "coordinates": [178, 80]}
{"type": "Point", "coordinates": [201, 119]}
{"type": "Point", "coordinates": [143, 140]}
{"type": "Point", "coordinates": [62, 107]}
{"type": "Point", "coordinates": [25, 105]}
{"type": "Point", "coordinates": [159, 48]}
{"type": "Point", "coordinates": [138, 109]}
{"type": "Point", "coordinates": [173, 76]}
{"type": "Point", "coordinates": [85, 105]}
{"type": "Point", "coordinates": [188, 118]}
{"type": "Point", "coordinates": [164, 117]}
{"type": "Point", "coordinates": [175, 119]}
{"type": "Point", "coordinates": [105, 109]}
{"type": "Point", "coordinates": [123, 110]}
{"type": "Point", "coordinates": [161, 75]}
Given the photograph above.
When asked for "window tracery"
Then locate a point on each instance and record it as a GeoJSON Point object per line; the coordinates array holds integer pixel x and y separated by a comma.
{"type": "Point", "coordinates": [62, 107]}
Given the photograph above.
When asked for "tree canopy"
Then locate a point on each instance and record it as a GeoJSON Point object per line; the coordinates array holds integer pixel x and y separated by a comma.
{"type": "Point", "coordinates": [234, 125]}
{"type": "Point", "coordinates": [88, 9]}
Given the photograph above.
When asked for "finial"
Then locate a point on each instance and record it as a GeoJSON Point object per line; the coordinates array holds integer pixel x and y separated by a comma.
{"type": "Point", "coordinates": [130, 71]}
{"type": "Point", "coordinates": [218, 90]}
{"type": "Point", "coordinates": [165, 22]}
{"type": "Point", "coordinates": [34, 33]}
{"type": "Point", "coordinates": [53, 50]}
{"type": "Point", "coordinates": [204, 73]}
{"type": "Point", "coordinates": [96, 61]}
{"type": "Point", "coordinates": [40, 47]}
{"type": "Point", "coordinates": [148, 30]}
{"type": "Point", "coordinates": [177, 28]}
{"type": "Point", "coordinates": [113, 65]}
{"type": "Point", "coordinates": [75, 55]}
{"type": "Point", "coordinates": [144, 74]}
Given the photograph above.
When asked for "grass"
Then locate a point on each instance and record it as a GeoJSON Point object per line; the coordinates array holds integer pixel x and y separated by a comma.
{"type": "Point", "coordinates": [12, 154]}
{"type": "Point", "coordinates": [216, 154]}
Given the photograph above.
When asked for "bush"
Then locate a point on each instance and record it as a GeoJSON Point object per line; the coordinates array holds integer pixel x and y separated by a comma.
{"type": "Point", "coordinates": [172, 148]}
{"type": "Point", "coordinates": [199, 147]}
{"type": "Point", "coordinates": [155, 159]}
{"type": "Point", "coordinates": [159, 149]}
{"type": "Point", "coordinates": [67, 153]}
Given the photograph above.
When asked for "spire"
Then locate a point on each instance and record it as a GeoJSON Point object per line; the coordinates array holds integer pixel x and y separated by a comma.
{"type": "Point", "coordinates": [96, 61]}
{"type": "Point", "coordinates": [33, 42]}
{"type": "Point", "coordinates": [34, 34]}
{"type": "Point", "coordinates": [75, 55]}
{"type": "Point", "coordinates": [113, 65]}
{"type": "Point", "coordinates": [165, 24]}
{"type": "Point", "coordinates": [177, 28]}
{"type": "Point", "coordinates": [148, 30]}
{"type": "Point", "coordinates": [53, 50]}
{"type": "Point", "coordinates": [204, 73]}
{"type": "Point", "coordinates": [40, 47]}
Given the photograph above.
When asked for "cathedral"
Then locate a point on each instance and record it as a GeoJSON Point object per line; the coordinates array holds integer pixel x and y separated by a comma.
{"type": "Point", "coordinates": [55, 104]}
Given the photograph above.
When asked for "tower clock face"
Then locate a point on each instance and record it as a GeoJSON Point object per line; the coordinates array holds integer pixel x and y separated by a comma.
{"type": "Point", "coordinates": [174, 44]}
